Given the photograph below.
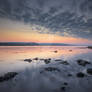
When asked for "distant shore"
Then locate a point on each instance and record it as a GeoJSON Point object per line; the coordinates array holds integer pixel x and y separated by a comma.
{"type": "Point", "coordinates": [34, 44]}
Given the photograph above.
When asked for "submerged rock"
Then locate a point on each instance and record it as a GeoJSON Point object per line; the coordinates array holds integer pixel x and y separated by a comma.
{"type": "Point", "coordinates": [80, 75]}
{"type": "Point", "coordinates": [89, 71]}
{"type": "Point", "coordinates": [65, 83]}
{"type": "Point", "coordinates": [69, 75]}
{"type": "Point", "coordinates": [42, 59]}
{"type": "Point", "coordinates": [28, 60]}
{"type": "Point", "coordinates": [47, 60]}
{"type": "Point", "coordinates": [51, 69]}
{"type": "Point", "coordinates": [8, 76]}
{"type": "Point", "coordinates": [64, 62]}
{"type": "Point", "coordinates": [58, 60]}
{"type": "Point", "coordinates": [63, 88]}
{"type": "Point", "coordinates": [83, 62]}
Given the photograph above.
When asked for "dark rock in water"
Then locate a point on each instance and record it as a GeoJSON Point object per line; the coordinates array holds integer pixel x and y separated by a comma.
{"type": "Point", "coordinates": [69, 75]}
{"type": "Point", "coordinates": [8, 76]}
{"type": "Point", "coordinates": [70, 50]}
{"type": "Point", "coordinates": [28, 60]}
{"type": "Point", "coordinates": [83, 62]}
{"type": "Point", "coordinates": [58, 60]}
{"type": "Point", "coordinates": [55, 51]}
{"type": "Point", "coordinates": [89, 71]}
{"type": "Point", "coordinates": [80, 75]}
{"type": "Point", "coordinates": [35, 58]}
{"type": "Point", "coordinates": [51, 69]}
{"type": "Point", "coordinates": [42, 59]}
{"type": "Point", "coordinates": [89, 47]}
{"type": "Point", "coordinates": [47, 61]}
{"type": "Point", "coordinates": [63, 88]}
{"type": "Point", "coordinates": [65, 83]}
{"type": "Point", "coordinates": [64, 62]}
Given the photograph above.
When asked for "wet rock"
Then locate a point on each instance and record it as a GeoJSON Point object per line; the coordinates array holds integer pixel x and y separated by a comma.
{"type": "Point", "coordinates": [89, 47]}
{"type": "Point", "coordinates": [80, 75]}
{"type": "Point", "coordinates": [83, 62]}
{"type": "Point", "coordinates": [28, 60]}
{"type": "Point", "coordinates": [64, 62]}
{"type": "Point", "coordinates": [70, 50]}
{"type": "Point", "coordinates": [69, 75]}
{"type": "Point", "coordinates": [55, 51]}
{"type": "Point", "coordinates": [35, 58]}
{"type": "Point", "coordinates": [63, 88]}
{"type": "Point", "coordinates": [42, 59]}
{"type": "Point", "coordinates": [58, 60]}
{"type": "Point", "coordinates": [47, 61]}
{"type": "Point", "coordinates": [65, 83]}
{"type": "Point", "coordinates": [89, 71]}
{"type": "Point", "coordinates": [51, 69]}
{"type": "Point", "coordinates": [8, 76]}
{"type": "Point", "coordinates": [41, 72]}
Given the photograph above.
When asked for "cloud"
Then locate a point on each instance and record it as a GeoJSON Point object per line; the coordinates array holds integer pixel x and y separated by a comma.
{"type": "Point", "coordinates": [66, 17]}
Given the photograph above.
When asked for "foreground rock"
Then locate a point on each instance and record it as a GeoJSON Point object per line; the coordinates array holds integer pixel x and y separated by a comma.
{"type": "Point", "coordinates": [80, 75]}
{"type": "Point", "coordinates": [69, 75]}
{"type": "Point", "coordinates": [89, 71]}
{"type": "Point", "coordinates": [83, 62]}
{"type": "Point", "coordinates": [63, 88]}
{"type": "Point", "coordinates": [58, 60]}
{"type": "Point", "coordinates": [8, 76]}
{"type": "Point", "coordinates": [51, 69]}
{"type": "Point", "coordinates": [28, 60]}
{"type": "Point", "coordinates": [64, 62]}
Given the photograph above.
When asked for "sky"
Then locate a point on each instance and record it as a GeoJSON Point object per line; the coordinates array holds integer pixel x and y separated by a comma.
{"type": "Point", "coordinates": [46, 21]}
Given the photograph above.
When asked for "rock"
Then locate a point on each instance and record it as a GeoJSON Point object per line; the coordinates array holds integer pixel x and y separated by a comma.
{"type": "Point", "coordinates": [35, 58]}
{"type": "Point", "coordinates": [42, 59]}
{"type": "Point", "coordinates": [8, 76]}
{"type": "Point", "coordinates": [80, 75]}
{"type": "Point", "coordinates": [58, 60]}
{"type": "Point", "coordinates": [28, 60]}
{"type": "Point", "coordinates": [47, 61]}
{"type": "Point", "coordinates": [64, 62]}
{"type": "Point", "coordinates": [55, 51]}
{"type": "Point", "coordinates": [65, 83]}
{"type": "Point", "coordinates": [69, 75]}
{"type": "Point", "coordinates": [63, 88]}
{"type": "Point", "coordinates": [89, 47]}
{"type": "Point", "coordinates": [83, 62]}
{"type": "Point", "coordinates": [51, 69]}
{"type": "Point", "coordinates": [89, 71]}
{"type": "Point", "coordinates": [70, 50]}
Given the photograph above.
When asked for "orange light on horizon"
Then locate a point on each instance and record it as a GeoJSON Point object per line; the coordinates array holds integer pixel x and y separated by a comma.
{"type": "Point", "coordinates": [13, 31]}
{"type": "Point", "coordinates": [15, 36]}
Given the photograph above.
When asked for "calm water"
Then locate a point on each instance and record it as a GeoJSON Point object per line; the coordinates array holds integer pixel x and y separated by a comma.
{"type": "Point", "coordinates": [29, 78]}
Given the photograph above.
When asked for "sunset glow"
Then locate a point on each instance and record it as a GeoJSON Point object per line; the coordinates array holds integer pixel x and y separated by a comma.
{"type": "Point", "coordinates": [15, 36]}
{"type": "Point", "coordinates": [12, 31]}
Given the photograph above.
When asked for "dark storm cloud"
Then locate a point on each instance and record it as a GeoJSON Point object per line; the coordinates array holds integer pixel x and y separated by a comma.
{"type": "Point", "coordinates": [73, 17]}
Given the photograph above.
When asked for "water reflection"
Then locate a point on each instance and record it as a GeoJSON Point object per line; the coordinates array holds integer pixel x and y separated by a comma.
{"type": "Point", "coordinates": [8, 53]}
{"type": "Point", "coordinates": [10, 57]}
{"type": "Point", "coordinates": [12, 60]}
